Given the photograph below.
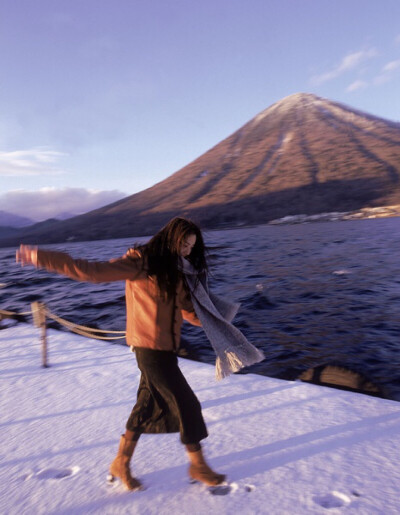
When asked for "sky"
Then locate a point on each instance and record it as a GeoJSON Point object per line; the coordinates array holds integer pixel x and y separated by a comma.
{"type": "Point", "coordinates": [101, 99]}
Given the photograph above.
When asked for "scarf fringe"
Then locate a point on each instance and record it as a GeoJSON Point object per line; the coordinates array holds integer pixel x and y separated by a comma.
{"type": "Point", "coordinates": [231, 347]}
{"type": "Point", "coordinates": [230, 362]}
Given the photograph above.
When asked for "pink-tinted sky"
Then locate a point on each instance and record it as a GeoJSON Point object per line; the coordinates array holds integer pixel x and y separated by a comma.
{"type": "Point", "coordinates": [110, 97]}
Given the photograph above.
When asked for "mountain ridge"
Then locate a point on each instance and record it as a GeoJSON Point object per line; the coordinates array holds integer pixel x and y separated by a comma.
{"type": "Point", "coordinates": [303, 154]}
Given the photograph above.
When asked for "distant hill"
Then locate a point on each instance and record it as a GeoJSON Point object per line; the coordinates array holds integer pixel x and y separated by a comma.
{"type": "Point", "coordinates": [304, 154]}
{"type": "Point", "coordinates": [11, 220]}
{"type": "Point", "coordinates": [7, 232]}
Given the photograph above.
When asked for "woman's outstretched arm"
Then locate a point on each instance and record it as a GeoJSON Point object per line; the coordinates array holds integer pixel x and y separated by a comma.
{"type": "Point", "coordinates": [26, 255]}
{"type": "Point", "coordinates": [124, 268]}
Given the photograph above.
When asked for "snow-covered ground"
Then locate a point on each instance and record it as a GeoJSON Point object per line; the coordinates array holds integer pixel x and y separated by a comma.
{"type": "Point", "coordinates": [287, 447]}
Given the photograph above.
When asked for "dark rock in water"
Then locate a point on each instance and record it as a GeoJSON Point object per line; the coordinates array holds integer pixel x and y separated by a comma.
{"type": "Point", "coordinates": [257, 301]}
{"type": "Point", "coordinates": [342, 378]}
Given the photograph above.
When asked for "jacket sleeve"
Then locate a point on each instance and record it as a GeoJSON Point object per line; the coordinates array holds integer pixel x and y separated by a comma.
{"type": "Point", "coordinates": [191, 317]}
{"type": "Point", "coordinates": [121, 269]}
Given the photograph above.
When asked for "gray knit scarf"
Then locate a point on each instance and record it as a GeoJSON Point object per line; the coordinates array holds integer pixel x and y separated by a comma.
{"type": "Point", "coordinates": [231, 347]}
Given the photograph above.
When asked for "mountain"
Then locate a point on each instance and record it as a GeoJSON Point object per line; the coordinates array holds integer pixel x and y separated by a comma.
{"type": "Point", "coordinates": [10, 220]}
{"type": "Point", "coordinates": [10, 224]}
{"type": "Point", "coordinates": [304, 154]}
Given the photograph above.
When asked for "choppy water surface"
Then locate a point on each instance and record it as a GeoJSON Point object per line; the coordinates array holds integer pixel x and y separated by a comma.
{"type": "Point", "coordinates": [315, 294]}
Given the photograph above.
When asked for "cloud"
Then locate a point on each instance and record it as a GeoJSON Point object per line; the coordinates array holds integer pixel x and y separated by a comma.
{"type": "Point", "coordinates": [386, 74]}
{"type": "Point", "coordinates": [349, 62]}
{"type": "Point", "coordinates": [357, 84]}
{"type": "Point", "coordinates": [56, 203]}
{"type": "Point", "coordinates": [397, 40]}
{"type": "Point", "coordinates": [391, 66]}
{"type": "Point", "coordinates": [35, 161]}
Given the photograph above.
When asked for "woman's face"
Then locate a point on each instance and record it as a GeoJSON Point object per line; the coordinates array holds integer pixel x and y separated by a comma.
{"type": "Point", "coordinates": [187, 245]}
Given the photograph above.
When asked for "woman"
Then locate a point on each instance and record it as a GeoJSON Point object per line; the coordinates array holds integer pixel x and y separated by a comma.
{"type": "Point", "coordinates": [157, 300]}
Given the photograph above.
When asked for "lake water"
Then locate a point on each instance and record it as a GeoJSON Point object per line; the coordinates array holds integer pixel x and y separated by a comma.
{"type": "Point", "coordinates": [313, 294]}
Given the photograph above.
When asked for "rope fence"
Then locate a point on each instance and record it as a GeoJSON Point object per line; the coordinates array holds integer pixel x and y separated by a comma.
{"type": "Point", "coordinates": [40, 313]}
{"type": "Point", "coordinates": [328, 375]}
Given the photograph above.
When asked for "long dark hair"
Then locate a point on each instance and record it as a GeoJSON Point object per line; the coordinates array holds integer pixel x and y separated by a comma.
{"type": "Point", "coordinates": [161, 253]}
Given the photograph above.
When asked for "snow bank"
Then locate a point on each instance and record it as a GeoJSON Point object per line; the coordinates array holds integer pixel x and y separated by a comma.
{"type": "Point", "coordinates": [287, 447]}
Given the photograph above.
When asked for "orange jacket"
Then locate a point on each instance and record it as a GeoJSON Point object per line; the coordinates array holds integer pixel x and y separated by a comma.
{"type": "Point", "coordinates": [151, 321]}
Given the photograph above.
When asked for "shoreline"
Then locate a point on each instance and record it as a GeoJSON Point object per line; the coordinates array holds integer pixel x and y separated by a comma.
{"type": "Point", "coordinates": [329, 375]}
{"type": "Point", "coordinates": [367, 213]}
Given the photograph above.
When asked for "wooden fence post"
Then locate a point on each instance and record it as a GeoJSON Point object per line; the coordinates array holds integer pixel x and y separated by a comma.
{"type": "Point", "coordinates": [39, 319]}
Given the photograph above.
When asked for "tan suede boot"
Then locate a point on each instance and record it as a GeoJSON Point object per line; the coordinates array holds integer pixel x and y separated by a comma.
{"type": "Point", "coordinates": [120, 466]}
{"type": "Point", "coordinates": [200, 471]}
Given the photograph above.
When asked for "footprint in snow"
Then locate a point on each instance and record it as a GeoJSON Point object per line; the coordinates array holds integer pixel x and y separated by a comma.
{"type": "Point", "coordinates": [229, 488]}
{"type": "Point", "coordinates": [224, 489]}
{"type": "Point", "coordinates": [57, 473]}
{"type": "Point", "coordinates": [332, 500]}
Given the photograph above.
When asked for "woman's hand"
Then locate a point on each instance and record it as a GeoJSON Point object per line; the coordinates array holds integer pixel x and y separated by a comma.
{"type": "Point", "coordinates": [26, 255]}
